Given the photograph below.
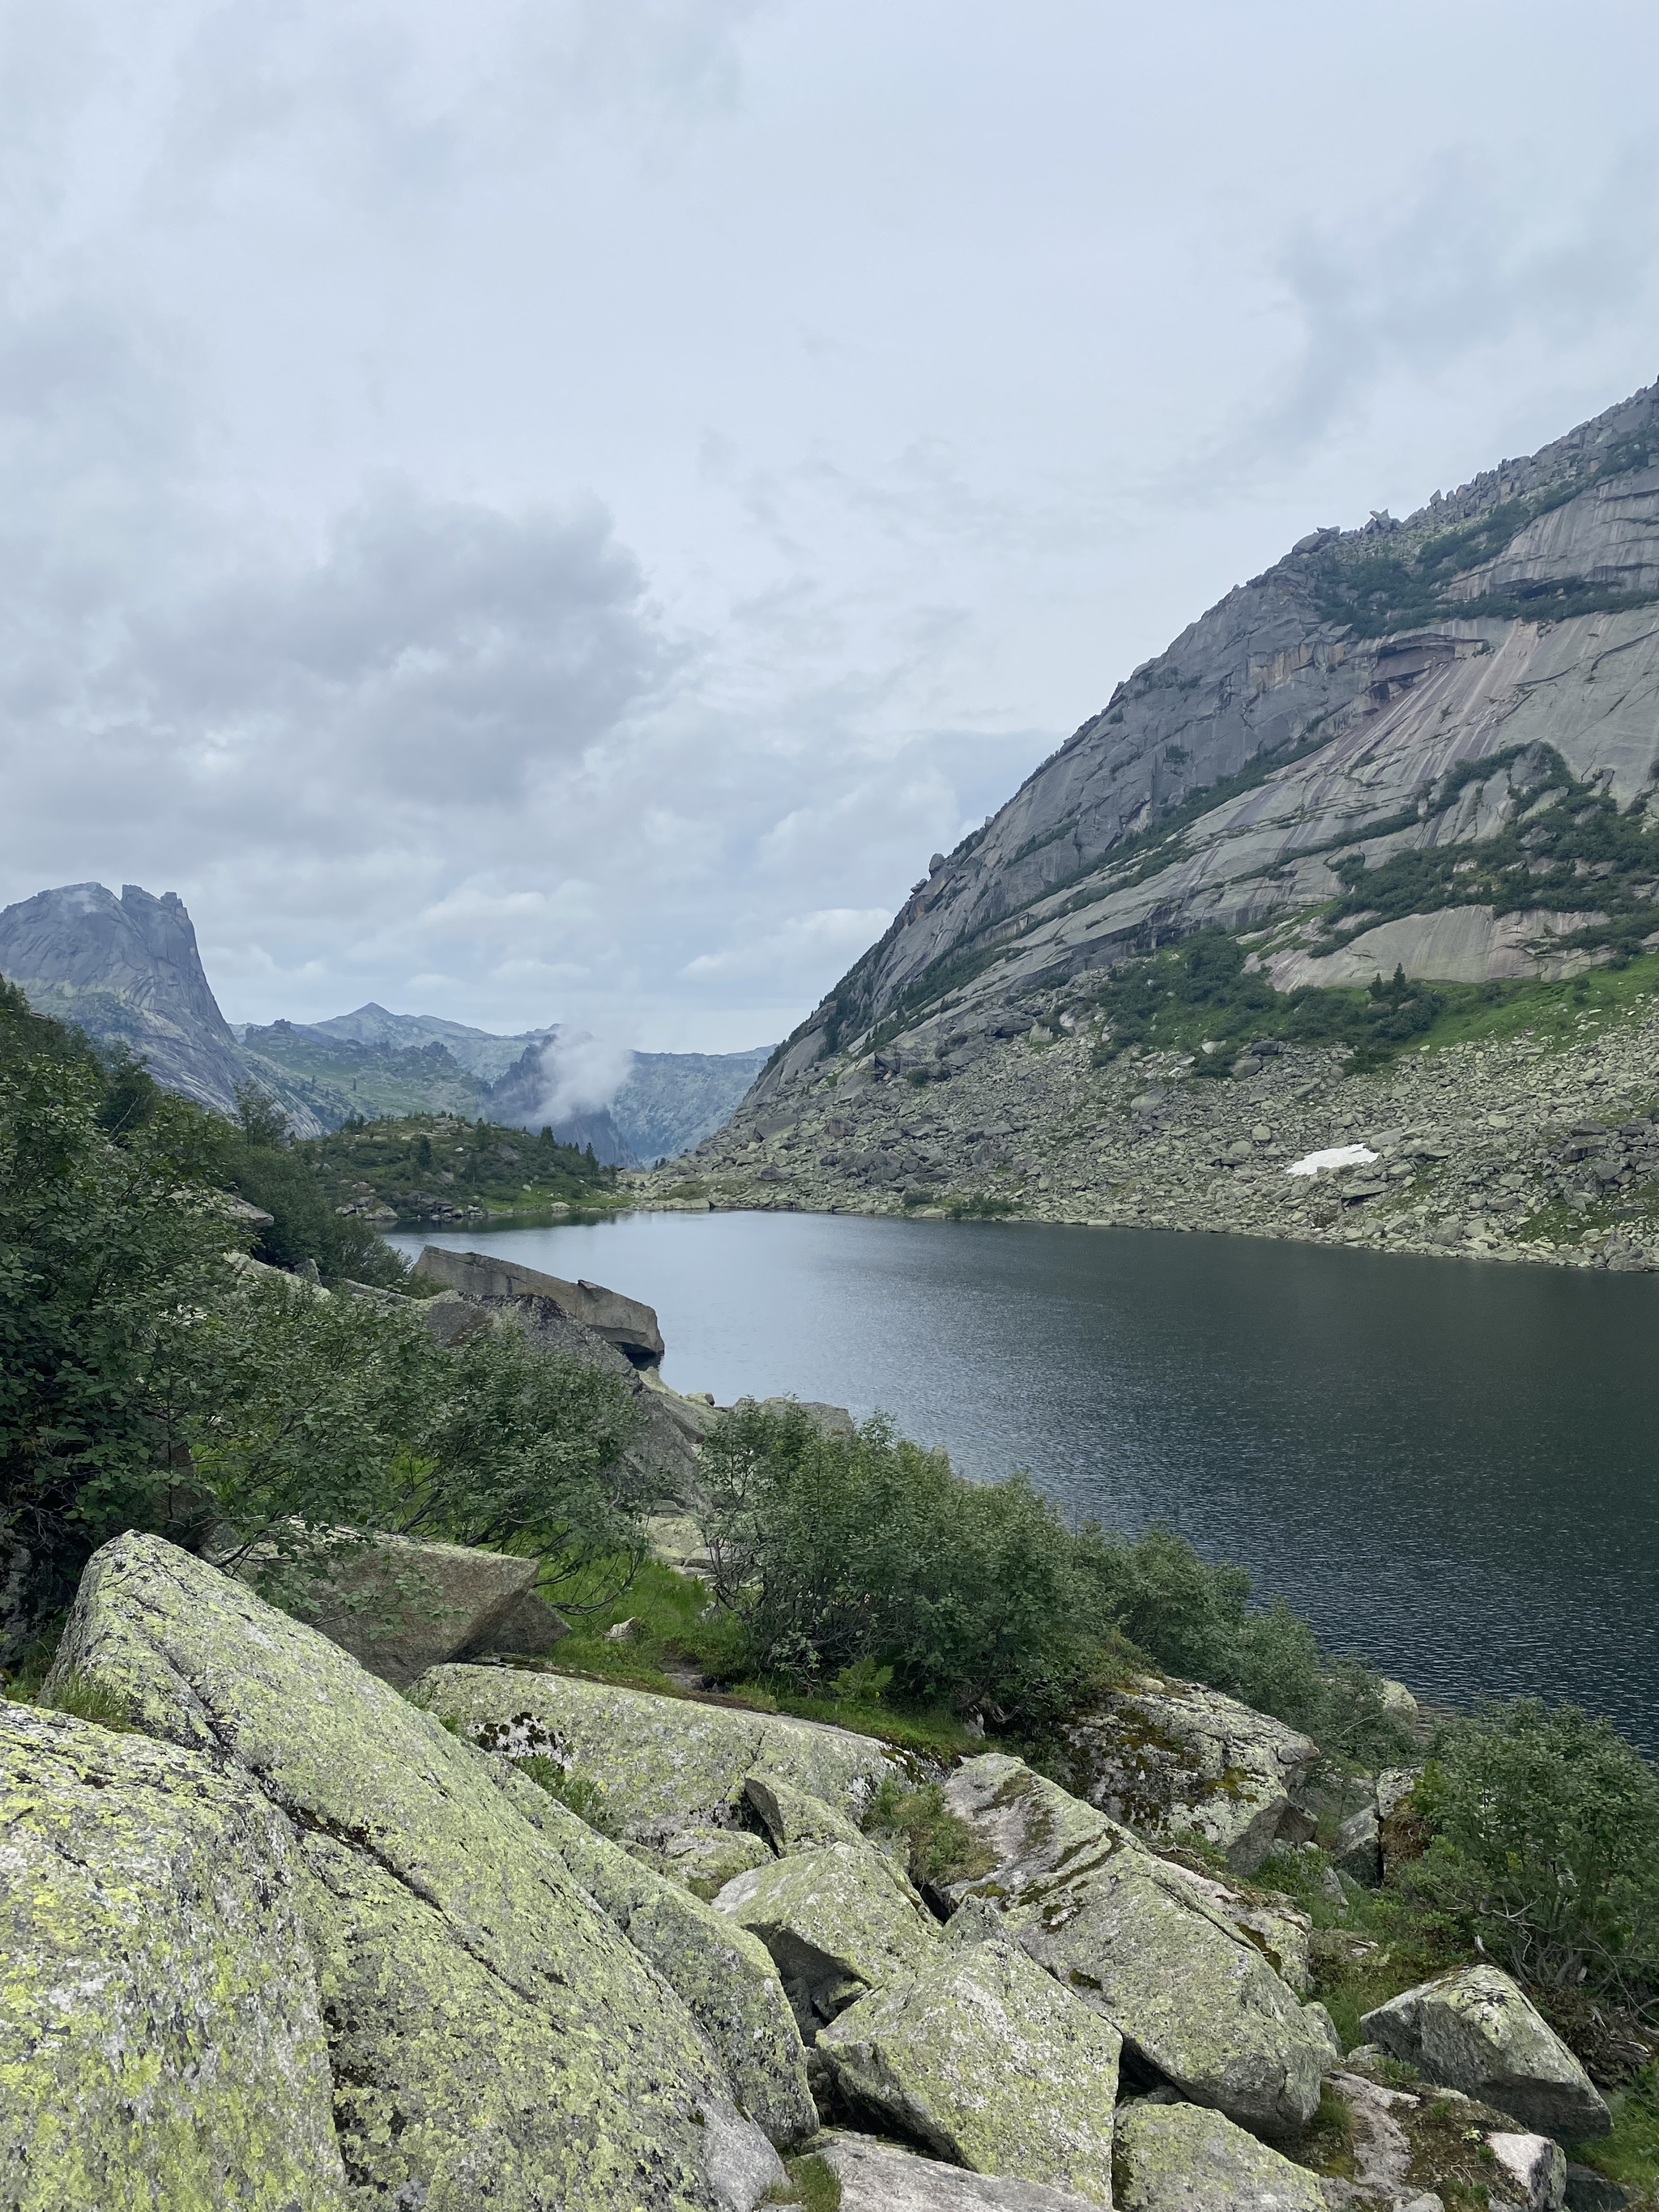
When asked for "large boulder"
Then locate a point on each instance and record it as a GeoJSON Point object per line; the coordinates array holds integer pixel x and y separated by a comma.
{"type": "Point", "coordinates": [663, 1763]}
{"type": "Point", "coordinates": [839, 1921]}
{"type": "Point", "coordinates": [1179, 2158]}
{"type": "Point", "coordinates": [1474, 2030]}
{"type": "Point", "coordinates": [400, 1607]}
{"type": "Point", "coordinates": [984, 2059]}
{"type": "Point", "coordinates": [493, 2034]}
{"type": "Point", "coordinates": [1169, 1759]}
{"type": "Point", "coordinates": [723, 1975]}
{"type": "Point", "coordinates": [161, 2042]}
{"type": "Point", "coordinates": [623, 1322]}
{"type": "Point", "coordinates": [880, 2177]}
{"type": "Point", "coordinates": [1191, 1997]}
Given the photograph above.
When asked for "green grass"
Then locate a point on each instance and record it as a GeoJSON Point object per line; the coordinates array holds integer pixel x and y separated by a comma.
{"type": "Point", "coordinates": [91, 1701]}
{"type": "Point", "coordinates": [1630, 2154]}
{"type": "Point", "coordinates": [811, 2185]}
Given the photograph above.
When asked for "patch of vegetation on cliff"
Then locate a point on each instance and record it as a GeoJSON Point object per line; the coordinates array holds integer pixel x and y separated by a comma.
{"type": "Point", "coordinates": [425, 1166]}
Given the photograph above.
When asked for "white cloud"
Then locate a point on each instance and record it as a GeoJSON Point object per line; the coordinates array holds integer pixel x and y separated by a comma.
{"type": "Point", "coordinates": [554, 511]}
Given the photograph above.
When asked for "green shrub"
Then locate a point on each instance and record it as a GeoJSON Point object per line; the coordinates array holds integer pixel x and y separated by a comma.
{"type": "Point", "coordinates": [581, 1795]}
{"type": "Point", "coordinates": [939, 1847]}
{"type": "Point", "coordinates": [1545, 1851]}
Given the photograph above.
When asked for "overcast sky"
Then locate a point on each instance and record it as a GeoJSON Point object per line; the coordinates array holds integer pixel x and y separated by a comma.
{"type": "Point", "coordinates": [554, 511]}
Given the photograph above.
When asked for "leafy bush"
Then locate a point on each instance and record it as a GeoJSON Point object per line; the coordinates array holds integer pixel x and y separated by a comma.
{"type": "Point", "coordinates": [939, 1847]}
{"type": "Point", "coordinates": [1545, 1851]}
{"type": "Point", "coordinates": [835, 1549]}
{"type": "Point", "coordinates": [263, 1166]}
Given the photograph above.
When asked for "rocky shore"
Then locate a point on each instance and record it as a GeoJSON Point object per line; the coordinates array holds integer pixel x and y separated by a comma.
{"type": "Point", "coordinates": [1516, 1150]}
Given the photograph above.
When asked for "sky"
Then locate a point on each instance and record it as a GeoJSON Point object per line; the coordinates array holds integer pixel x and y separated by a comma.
{"type": "Point", "coordinates": [553, 510]}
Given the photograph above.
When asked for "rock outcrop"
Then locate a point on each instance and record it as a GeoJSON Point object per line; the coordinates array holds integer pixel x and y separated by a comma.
{"type": "Point", "coordinates": [1169, 1759]}
{"type": "Point", "coordinates": [1195, 2002]}
{"type": "Point", "coordinates": [622, 1321]}
{"type": "Point", "coordinates": [983, 2058]}
{"type": "Point", "coordinates": [160, 2037]}
{"type": "Point", "coordinates": [492, 2032]}
{"type": "Point", "coordinates": [1475, 2031]}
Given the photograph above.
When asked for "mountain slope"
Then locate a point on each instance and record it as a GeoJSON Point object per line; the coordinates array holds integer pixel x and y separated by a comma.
{"type": "Point", "coordinates": [1327, 716]}
{"type": "Point", "coordinates": [1426, 746]}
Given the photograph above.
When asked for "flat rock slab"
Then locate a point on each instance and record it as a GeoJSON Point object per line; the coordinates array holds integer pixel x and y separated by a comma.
{"type": "Point", "coordinates": [1475, 2031]}
{"type": "Point", "coordinates": [663, 1762]}
{"type": "Point", "coordinates": [1179, 2158]}
{"type": "Point", "coordinates": [987, 2060]}
{"type": "Point", "coordinates": [878, 2176]}
{"type": "Point", "coordinates": [160, 2041]}
{"type": "Point", "coordinates": [1094, 1907]}
{"type": "Point", "coordinates": [493, 2034]}
{"type": "Point", "coordinates": [1171, 1757]}
{"type": "Point", "coordinates": [839, 1921]}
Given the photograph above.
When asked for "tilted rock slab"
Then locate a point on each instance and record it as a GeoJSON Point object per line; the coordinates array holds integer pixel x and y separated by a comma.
{"type": "Point", "coordinates": [1475, 2031]}
{"type": "Point", "coordinates": [839, 1921]}
{"type": "Point", "coordinates": [796, 1821]}
{"type": "Point", "coordinates": [880, 2177]}
{"type": "Point", "coordinates": [1167, 1758]}
{"type": "Point", "coordinates": [493, 2035]}
{"type": "Point", "coordinates": [1279, 1928]}
{"type": "Point", "coordinates": [663, 1762]}
{"type": "Point", "coordinates": [430, 1602]}
{"type": "Point", "coordinates": [723, 1975]}
{"type": "Point", "coordinates": [1186, 1992]}
{"type": "Point", "coordinates": [160, 2044]}
{"type": "Point", "coordinates": [1179, 2158]}
{"type": "Point", "coordinates": [984, 2059]}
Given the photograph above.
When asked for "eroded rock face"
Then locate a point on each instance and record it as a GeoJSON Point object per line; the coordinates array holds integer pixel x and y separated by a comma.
{"type": "Point", "coordinates": [1176, 2158]}
{"type": "Point", "coordinates": [839, 1921]}
{"type": "Point", "coordinates": [1169, 1759]}
{"type": "Point", "coordinates": [1475, 2031]}
{"type": "Point", "coordinates": [1093, 1907]}
{"type": "Point", "coordinates": [984, 2059]}
{"type": "Point", "coordinates": [665, 1764]}
{"type": "Point", "coordinates": [160, 2041]}
{"type": "Point", "coordinates": [494, 2036]}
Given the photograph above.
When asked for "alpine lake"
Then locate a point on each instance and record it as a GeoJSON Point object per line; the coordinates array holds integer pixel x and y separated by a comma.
{"type": "Point", "coordinates": [1449, 1465]}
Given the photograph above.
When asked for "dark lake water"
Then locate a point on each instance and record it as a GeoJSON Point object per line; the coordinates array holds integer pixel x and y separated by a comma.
{"type": "Point", "coordinates": [1449, 1467]}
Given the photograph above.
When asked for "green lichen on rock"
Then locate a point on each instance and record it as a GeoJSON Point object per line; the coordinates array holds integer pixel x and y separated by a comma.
{"type": "Point", "coordinates": [985, 2059]}
{"type": "Point", "coordinates": [705, 1859]}
{"type": "Point", "coordinates": [1474, 2030]}
{"type": "Point", "coordinates": [1179, 2158]}
{"type": "Point", "coordinates": [1093, 1907]}
{"type": "Point", "coordinates": [838, 1921]}
{"type": "Point", "coordinates": [160, 2046]}
{"type": "Point", "coordinates": [427, 1880]}
{"type": "Point", "coordinates": [664, 1763]}
{"type": "Point", "coordinates": [723, 1975]}
{"type": "Point", "coordinates": [796, 1821]}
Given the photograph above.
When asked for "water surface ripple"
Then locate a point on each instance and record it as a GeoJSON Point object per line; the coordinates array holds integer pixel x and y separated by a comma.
{"type": "Point", "coordinates": [1448, 1466]}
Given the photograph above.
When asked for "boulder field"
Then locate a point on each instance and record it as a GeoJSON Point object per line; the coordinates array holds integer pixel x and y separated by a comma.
{"type": "Point", "coordinates": [278, 1935]}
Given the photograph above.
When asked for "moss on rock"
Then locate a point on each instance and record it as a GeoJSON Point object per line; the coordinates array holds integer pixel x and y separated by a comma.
{"type": "Point", "coordinates": [161, 2045]}
{"type": "Point", "coordinates": [985, 2059]}
{"type": "Point", "coordinates": [428, 1881]}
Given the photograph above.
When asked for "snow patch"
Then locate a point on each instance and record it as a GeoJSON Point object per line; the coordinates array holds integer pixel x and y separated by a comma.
{"type": "Point", "coordinates": [1334, 1156]}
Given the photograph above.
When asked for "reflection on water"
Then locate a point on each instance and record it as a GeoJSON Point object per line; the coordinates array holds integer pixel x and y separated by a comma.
{"type": "Point", "coordinates": [1449, 1466]}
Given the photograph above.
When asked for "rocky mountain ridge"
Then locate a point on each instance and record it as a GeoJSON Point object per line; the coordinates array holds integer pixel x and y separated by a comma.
{"type": "Point", "coordinates": [129, 973]}
{"type": "Point", "coordinates": [1328, 715]}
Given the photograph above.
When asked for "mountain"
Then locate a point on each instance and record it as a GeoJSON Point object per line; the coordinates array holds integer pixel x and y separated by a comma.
{"type": "Point", "coordinates": [128, 972]}
{"type": "Point", "coordinates": [1425, 745]}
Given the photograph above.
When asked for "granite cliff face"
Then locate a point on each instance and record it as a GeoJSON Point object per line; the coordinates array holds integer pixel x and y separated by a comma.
{"type": "Point", "coordinates": [127, 972]}
{"type": "Point", "coordinates": [1316, 716]}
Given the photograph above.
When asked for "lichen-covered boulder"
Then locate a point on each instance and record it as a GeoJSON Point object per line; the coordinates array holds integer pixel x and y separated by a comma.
{"type": "Point", "coordinates": [985, 2059]}
{"type": "Point", "coordinates": [1279, 1928]}
{"type": "Point", "coordinates": [880, 2177]}
{"type": "Point", "coordinates": [722, 1974]}
{"type": "Point", "coordinates": [1179, 2158]}
{"type": "Point", "coordinates": [1171, 1758]}
{"type": "Point", "coordinates": [664, 1763]}
{"type": "Point", "coordinates": [705, 1859]}
{"type": "Point", "coordinates": [1474, 2030]}
{"type": "Point", "coordinates": [839, 1921]}
{"type": "Point", "coordinates": [796, 1821]}
{"type": "Point", "coordinates": [400, 1607]}
{"type": "Point", "coordinates": [493, 2034]}
{"type": "Point", "coordinates": [161, 2043]}
{"type": "Point", "coordinates": [1095, 1908]}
